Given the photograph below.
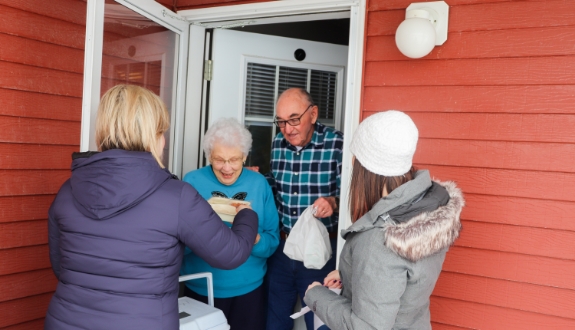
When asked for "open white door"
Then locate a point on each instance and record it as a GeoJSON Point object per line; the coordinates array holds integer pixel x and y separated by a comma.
{"type": "Point", "coordinates": [190, 45]}
{"type": "Point", "coordinates": [136, 42]}
{"type": "Point", "coordinates": [250, 70]}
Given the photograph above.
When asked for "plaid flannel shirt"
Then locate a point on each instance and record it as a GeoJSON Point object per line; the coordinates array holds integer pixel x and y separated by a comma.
{"type": "Point", "coordinates": [298, 178]}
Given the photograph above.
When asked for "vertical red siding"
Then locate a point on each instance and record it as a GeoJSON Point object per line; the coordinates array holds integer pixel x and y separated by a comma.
{"type": "Point", "coordinates": [495, 108]}
{"type": "Point", "coordinates": [41, 65]}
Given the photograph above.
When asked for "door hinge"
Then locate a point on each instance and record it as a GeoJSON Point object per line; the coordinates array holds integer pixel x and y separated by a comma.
{"type": "Point", "coordinates": [208, 69]}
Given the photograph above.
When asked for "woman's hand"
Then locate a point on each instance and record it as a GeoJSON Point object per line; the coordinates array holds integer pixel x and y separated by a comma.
{"type": "Point", "coordinates": [312, 285]}
{"type": "Point", "coordinates": [257, 239]}
{"type": "Point", "coordinates": [333, 280]}
{"type": "Point", "coordinates": [240, 207]}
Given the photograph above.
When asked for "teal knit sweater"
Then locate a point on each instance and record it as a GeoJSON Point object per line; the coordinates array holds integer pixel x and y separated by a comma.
{"type": "Point", "coordinates": [250, 275]}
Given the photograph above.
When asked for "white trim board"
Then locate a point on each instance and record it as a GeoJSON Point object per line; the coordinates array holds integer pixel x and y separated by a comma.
{"type": "Point", "coordinates": [279, 11]}
{"type": "Point", "coordinates": [92, 73]}
{"type": "Point", "coordinates": [268, 9]}
{"type": "Point", "coordinates": [277, 19]}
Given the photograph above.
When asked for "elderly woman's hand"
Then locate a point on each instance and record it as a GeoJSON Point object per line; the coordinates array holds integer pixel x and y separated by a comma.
{"type": "Point", "coordinates": [240, 207]}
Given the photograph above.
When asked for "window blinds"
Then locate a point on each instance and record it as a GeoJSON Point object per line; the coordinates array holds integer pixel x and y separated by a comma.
{"type": "Point", "coordinates": [261, 89]}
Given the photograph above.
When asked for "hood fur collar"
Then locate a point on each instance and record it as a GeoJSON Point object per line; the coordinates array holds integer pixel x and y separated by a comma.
{"type": "Point", "coordinates": [422, 235]}
{"type": "Point", "coordinates": [429, 232]}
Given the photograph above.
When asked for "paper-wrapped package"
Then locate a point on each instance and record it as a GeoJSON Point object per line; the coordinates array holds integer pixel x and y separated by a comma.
{"type": "Point", "coordinates": [226, 207]}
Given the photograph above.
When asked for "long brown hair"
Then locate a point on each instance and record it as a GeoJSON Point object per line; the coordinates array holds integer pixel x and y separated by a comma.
{"type": "Point", "coordinates": [366, 188]}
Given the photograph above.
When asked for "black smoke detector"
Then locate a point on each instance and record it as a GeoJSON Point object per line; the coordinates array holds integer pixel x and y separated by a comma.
{"type": "Point", "coordinates": [299, 54]}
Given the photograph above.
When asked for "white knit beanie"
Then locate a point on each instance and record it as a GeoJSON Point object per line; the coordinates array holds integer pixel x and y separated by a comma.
{"type": "Point", "coordinates": [384, 143]}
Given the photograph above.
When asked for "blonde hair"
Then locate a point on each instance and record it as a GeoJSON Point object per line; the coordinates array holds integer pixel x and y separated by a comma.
{"type": "Point", "coordinates": [131, 118]}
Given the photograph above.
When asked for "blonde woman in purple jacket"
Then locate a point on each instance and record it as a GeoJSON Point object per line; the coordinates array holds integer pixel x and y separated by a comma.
{"type": "Point", "coordinates": [118, 226]}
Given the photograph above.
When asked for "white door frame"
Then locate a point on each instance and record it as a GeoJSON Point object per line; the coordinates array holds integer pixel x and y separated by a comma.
{"type": "Point", "coordinates": [226, 15]}
{"type": "Point", "coordinates": [93, 70]}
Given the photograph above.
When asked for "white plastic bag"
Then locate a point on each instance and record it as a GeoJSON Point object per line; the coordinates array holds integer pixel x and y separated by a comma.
{"type": "Point", "coordinates": [308, 241]}
{"type": "Point", "coordinates": [317, 322]}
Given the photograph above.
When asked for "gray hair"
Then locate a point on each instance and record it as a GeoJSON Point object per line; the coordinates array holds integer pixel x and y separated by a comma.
{"type": "Point", "coordinates": [228, 132]}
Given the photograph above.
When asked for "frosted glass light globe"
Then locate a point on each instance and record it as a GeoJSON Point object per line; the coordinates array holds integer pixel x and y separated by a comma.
{"type": "Point", "coordinates": [415, 37]}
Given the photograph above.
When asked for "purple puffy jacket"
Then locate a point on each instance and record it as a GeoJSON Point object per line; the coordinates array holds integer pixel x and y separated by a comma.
{"type": "Point", "coordinates": [117, 231]}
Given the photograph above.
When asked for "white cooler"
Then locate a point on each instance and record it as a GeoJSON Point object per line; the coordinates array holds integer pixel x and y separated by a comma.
{"type": "Point", "coordinates": [195, 315]}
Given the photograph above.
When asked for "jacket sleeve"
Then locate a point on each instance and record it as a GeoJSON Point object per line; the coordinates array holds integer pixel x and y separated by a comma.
{"type": "Point", "coordinates": [200, 228]}
{"type": "Point", "coordinates": [269, 229]}
{"type": "Point", "coordinates": [54, 243]}
{"type": "Point", "coordinates": [379, 278]}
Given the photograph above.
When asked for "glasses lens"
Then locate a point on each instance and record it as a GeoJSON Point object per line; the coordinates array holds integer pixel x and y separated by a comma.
{"type": "Point", "coordinates": [293, 122]}
{"type": "Point", "coordinates": [281, 123]}
{"type": "Point", "coordinates": [234, 162]}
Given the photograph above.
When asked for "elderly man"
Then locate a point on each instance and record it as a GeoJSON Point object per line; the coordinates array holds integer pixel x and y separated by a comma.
{"type": "Point", "coordinates": [305, 170]}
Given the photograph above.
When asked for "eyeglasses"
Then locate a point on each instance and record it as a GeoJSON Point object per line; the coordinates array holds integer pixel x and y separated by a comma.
{"type": "Point", "coordinates": [292, 121]}
{"type": "Point", "coordinates": [234, 162]}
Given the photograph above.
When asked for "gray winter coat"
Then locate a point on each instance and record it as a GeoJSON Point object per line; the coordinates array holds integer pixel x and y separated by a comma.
{"type": "Point", "coordinates": [389, 270]}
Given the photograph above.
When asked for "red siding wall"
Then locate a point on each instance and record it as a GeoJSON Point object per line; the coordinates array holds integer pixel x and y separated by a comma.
{"type": "Point", "coordinates": [495, 109]}
{"type": "Point", "coordinates": [41, 64]}
{"type": "Point", "coordinates": [494, 106]}
{"type": "Point", "coordinates": [195, 4]}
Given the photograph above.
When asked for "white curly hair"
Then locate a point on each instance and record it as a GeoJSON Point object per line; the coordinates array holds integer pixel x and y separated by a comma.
{"type": "Point", "coordinates": [228, 132]}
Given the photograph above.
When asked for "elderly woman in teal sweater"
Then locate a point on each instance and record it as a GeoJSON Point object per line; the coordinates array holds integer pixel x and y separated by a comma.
{"type": "Point", "coordinates": [239, 293]}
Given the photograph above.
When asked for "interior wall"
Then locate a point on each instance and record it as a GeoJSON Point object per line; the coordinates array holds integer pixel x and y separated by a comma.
{"type": "Point", "coordinates": [495, 110]}
{"type": "Point", "coordinates": [41, 66]}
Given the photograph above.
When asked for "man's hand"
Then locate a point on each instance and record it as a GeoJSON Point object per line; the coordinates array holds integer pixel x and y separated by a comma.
{"type": "Point", "coordinates": [324, 207]}
{"type": "Point", "coordinates": [253, 168]}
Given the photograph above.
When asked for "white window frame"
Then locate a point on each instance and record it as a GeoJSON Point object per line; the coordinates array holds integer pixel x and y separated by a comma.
{"type": "Point", "coordinates": [288, 10]}
{"type": "Point", "coordinates": [339, 70]}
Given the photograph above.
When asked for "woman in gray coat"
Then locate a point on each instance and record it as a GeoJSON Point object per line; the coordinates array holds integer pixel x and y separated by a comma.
{"type": "Point", "coordinates": [403, 225]}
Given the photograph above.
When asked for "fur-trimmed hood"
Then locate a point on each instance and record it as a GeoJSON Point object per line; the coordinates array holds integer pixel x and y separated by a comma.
{"type": "Point", "coordinates": [422, 235]}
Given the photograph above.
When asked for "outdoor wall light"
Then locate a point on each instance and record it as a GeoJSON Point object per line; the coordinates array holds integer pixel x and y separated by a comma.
{"type": "Point", "coordinates": [424, 27]}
